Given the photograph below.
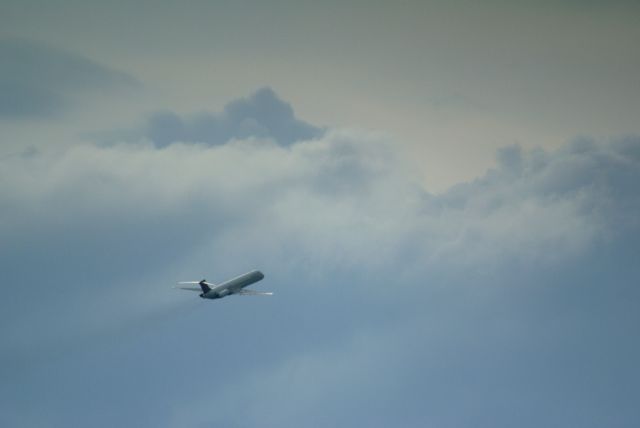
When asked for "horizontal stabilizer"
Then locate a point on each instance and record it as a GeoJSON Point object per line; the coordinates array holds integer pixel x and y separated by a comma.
{"type": "Point", "coordinates": [205, 287]}
{"type": "Point", "coordinates": [188, 287]}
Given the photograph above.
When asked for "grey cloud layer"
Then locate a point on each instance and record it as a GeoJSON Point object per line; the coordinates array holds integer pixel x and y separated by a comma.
{"type": "Point", "coordinates": [37, 80]}
{"type": "Point", "coordinates": [488, 305]}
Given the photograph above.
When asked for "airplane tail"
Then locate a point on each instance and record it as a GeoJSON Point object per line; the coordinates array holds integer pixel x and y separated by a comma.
{"type": "Point", "coordinates": [204, 286]}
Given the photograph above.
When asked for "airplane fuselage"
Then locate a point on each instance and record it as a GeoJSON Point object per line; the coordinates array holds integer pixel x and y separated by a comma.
{"type": "Point", "coordinates": [233, 286]}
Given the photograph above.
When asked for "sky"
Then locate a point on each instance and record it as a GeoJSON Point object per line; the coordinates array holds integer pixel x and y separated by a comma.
{"type": "Point", "coordinates": [442, 197]}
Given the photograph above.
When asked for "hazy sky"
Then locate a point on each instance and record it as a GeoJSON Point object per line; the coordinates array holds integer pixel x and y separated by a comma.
{"type": "Point", "coordinates": [447, 79]}
{"type": "Point", "coordinates": [442, 195]}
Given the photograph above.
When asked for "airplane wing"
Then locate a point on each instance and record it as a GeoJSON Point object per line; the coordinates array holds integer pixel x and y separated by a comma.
{"type": "Point", "coordinates": [254, 293]}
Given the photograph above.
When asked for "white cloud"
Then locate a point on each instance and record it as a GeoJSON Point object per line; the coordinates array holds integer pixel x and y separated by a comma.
{"type": "Point", "coordinates": [379, 285]}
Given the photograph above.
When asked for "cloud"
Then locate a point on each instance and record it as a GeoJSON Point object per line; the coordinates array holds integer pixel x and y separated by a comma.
{"type": "Point", "coordinates": [487, 305]}
{"type": "Point", "coordinates": [262, 115]}
{"type": "Point", "coordinates": [37, 80]}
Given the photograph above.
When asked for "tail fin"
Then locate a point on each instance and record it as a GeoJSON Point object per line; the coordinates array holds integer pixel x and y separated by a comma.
{"type": "Point", "coordinates": [204, 286]}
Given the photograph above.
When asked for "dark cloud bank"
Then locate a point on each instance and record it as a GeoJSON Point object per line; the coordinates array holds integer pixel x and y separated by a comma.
{"type": "Point", "coordinates": [508, 301]}
{"type": "Point", "coordinates": [262, 115]}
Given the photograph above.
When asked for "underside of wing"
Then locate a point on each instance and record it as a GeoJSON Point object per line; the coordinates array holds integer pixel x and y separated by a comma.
{"type": "Point", "coordinates": [254, 293]}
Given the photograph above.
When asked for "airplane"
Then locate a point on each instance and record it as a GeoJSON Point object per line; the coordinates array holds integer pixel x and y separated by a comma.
{"type": "Point", "coordinates": [232, 286]}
